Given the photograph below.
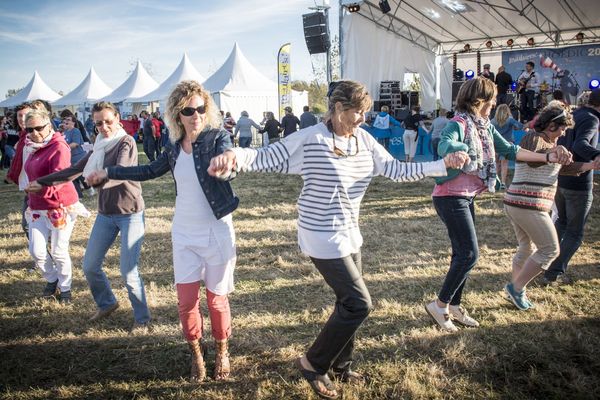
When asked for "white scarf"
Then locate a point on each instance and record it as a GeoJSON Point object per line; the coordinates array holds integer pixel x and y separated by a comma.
{"type": "Point", "coordinates": [101, 146]}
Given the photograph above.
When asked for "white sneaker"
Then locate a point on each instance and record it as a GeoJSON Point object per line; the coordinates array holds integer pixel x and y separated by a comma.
{"type": "Point", "coordinates": [442, 319]}
{"type": "Point", "coordinates": [460, 315]}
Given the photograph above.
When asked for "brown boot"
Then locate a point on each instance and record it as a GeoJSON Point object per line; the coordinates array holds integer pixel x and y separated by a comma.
{"type": "Point", "coordinates": [198, 372]}
{"type": "Point", "coordinates": [222, 368]}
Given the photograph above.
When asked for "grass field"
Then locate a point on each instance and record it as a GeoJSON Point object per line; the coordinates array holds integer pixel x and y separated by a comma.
{"type": "Point", "coordinates": [49, 351]}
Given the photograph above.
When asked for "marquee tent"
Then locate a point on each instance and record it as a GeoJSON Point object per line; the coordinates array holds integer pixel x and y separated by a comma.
{"type": "Point", "coordinates": [415, 32]}
{"type": "Point", "coordinates": [138, 84]}
{"type": "Point", "coordinates": [89, 90]}
{"type": "Point", "coordinates": [184, 71]}
{"type": "Point", "coordinates": [35, 89]}
{"type": "Point", "coordinates": [238, 86]}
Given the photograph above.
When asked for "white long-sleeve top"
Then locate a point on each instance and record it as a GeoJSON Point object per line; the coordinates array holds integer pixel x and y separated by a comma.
{"type": "Point", "coordinates": [329, 203]}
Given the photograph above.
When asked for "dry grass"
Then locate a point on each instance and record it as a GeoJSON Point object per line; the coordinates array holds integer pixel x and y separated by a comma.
{"type": "Point", "coordinates": [280, 302]}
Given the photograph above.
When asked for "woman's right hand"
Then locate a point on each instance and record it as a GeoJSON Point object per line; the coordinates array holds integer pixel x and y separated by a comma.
{"type": "Point", "coordinates": [222, 164]}
{"type": "Point", "coordinates": [33, 187]}
{"type": "Point", "coordinates": [456, 160]}
{"type": "Point", "coordinates": [96, 178]}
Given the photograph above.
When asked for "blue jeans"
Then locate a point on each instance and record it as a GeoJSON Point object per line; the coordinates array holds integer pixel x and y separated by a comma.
{"type": "Point", "coordinates": [458, 214]}
{"type": "Point", "coordinates": [104, 233]}
{"type": "Point", "coordinates": [245, 141]}
{"type": "Point", "coordinates": [573, 210]}
{"type": "Point", "coordinates": [434, 146]}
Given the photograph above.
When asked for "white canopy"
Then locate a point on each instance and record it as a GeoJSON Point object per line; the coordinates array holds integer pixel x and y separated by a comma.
{"type": "Point", "coordinates": [35, 89]}
{"type": "Point", "coordinates": [139, 84]}
{"type": "Point", "coordinates": [184, 71]}
{"type": "Point", "coordinates": [89, 90]}
{"type": "Point", "coordinates": [238, 86]}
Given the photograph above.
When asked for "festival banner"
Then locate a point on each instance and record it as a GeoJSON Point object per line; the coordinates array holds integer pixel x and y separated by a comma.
{"type": "Point", "coordinates": [569, 69]}
{"type": "Point", "coordinates": [284, 80]}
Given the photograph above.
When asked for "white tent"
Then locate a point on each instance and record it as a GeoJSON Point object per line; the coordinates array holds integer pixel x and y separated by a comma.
{"type": "Point", "coordinates": [35, 89]}
{"type": "Point", "coordinates": [139, 84]}
{"type": "Point", "coordinates": [184, 71]}
{"type": "Point", "coordinates": [238, 86]}
{"type": "Point", "coordinates": [89, 90]}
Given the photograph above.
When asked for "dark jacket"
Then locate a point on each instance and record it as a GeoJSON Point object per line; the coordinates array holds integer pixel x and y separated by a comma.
{"type": "Point", "coordinates": [209, 143]}
{"type": "Point", "coordinates": [503, 81]}
{"type": "Point", "coordinates": [272, 127]}
{"type": "Point", "coordinates": [289, 122]}
{"type": "Point", "coordinates": [581, 141]}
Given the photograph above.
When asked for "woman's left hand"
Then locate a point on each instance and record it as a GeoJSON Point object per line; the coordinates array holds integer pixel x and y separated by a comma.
{"type": "Point", "coordinates": [222, 164]}
{"type": "Point", "coordinates": [456, 160]}
{"type": "Point", "coordinates": [562, 155]}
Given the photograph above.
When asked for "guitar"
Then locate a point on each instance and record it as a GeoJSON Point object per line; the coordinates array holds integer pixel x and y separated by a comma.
{"type": "Point", "coordinates": [523, 83]}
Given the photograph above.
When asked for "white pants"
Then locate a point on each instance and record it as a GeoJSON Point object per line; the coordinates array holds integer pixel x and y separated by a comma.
{"type": "Point", "coordinates": [56, 264]}
{"type": "Point", "coordinates": [410, 143]}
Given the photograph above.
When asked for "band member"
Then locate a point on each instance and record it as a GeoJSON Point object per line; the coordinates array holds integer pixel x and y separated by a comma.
{"type": "Point", "coordinates": [528, 88]}
{"type": "Point", "coordinates": [486, 73]}
{"type": "Point", "coordinates": [503, 83]}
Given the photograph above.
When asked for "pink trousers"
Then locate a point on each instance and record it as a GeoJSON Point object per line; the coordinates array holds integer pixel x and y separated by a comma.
{"type": "Point", "coordinates": [191, 317]}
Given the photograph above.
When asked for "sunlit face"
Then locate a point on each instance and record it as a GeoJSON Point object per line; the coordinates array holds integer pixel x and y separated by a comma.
{"type": "Point", "coordinates": [556, 131]}
{"type": "Point", "coordinates": [194, 123]}
{"type": "Point", "coordinates": [21, 117]}
{"type": "Point", "coordinates": [351, 118]}
{"type": "Point", "coordinates": [43, 131]}
{"type": "Point", "coordinates": [107, 123]}
{"type": "Point", "coordinates": [487, 107]}
{"type": "Point", "coordinates": [68, 123]}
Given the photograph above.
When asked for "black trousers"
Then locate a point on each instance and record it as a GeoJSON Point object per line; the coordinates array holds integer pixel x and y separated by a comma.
{"type": "Point", "coordinates": [334, 346]}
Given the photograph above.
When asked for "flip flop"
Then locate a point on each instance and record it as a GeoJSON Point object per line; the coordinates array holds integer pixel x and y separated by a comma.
{"type": "Point", "coordinates": [317, 382]}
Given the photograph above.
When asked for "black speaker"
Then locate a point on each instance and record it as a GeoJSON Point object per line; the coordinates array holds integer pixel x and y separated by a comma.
{"type": "Point", "coordinates": [315, 32]}
{"type": "Point", "coordinates": [401, 114]}
{"type": "Point", "coordinates": [455, 87]}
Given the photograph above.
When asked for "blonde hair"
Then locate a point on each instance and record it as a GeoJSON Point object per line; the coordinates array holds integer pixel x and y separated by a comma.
{"type": "Point", "coordinates": [35, 113]}
{"type": "Point", "coordinates": [502, 114]}
{"type": "Point", "coordinates": [178, 98]}
{"type": "Point", "coordinates": [474, 93]}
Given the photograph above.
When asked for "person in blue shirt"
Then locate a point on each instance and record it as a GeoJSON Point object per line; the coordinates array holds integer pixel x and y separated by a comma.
{"type": "Point", "coordinates": [381, 126]}
{"type": "Point", "coordinates": [89, 126]}
{"type": "Point", "coordinates": [74, 139]}
{"type": "Point", "coordinates": [505, 124]}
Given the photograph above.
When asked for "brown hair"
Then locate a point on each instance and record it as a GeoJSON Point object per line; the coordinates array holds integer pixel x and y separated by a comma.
{"type": "Point", "coordinates": [178, 98]}
{"type": "Point", "coordinates": [351, 94]}
{"type": "Point", "coordinates": [105, 105]}
{"type": "Point", "coordinates": [474, 93]}
{"type": "Point", "coordinates": [550, 113]}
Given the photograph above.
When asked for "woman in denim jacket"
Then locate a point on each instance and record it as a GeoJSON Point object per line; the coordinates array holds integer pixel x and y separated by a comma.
{"type": "Point", "coordinates": [202, 234]}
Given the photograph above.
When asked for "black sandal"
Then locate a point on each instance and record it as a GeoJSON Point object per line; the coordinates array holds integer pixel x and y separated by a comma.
{"type": "Point", "coordinates": [317, 382]}
{"type": "Point", "coordinates": [349, 376]}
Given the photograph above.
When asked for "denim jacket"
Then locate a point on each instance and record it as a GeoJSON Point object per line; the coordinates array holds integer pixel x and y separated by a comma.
{"type": "Point", "coordinates": [209, 143]}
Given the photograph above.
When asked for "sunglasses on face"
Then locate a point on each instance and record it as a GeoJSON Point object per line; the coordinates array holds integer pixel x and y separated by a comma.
{"type": "Point", "coordinates": [189, 111]}
{"type": "Point", "coordinates": [101, 123]}
{"type": "Point", "coordinates": [36, 128]}
{"type": "Point", "coordinates": [341, 153]}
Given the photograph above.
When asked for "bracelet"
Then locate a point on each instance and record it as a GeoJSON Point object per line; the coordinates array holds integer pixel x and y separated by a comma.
{"type": "Point", "coordinates": [547, 157]}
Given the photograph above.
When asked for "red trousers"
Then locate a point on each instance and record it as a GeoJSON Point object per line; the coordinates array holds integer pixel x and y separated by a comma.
{"type": "Point", "coordinates": [190, 316]}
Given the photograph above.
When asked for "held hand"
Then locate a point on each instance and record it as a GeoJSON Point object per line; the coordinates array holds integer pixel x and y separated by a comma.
{"type": "Point", "coordinates": [33, 187]}
{"type": "Point", "coordinates": [96, 178]}
{"type": "Point", "coordinates": [456, 160]}
{"type": "Point", "coordinates": [596, 162]}
{"type": "Point", "coordinates": [222, 164]}
{"type": "Point", "coordinates": [561, 155]}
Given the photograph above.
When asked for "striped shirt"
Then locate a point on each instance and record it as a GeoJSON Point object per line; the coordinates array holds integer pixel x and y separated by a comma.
{"type": "Point", "coordinates": [534, 184]}
{"type": "Point", "coordinates": [329, 203]}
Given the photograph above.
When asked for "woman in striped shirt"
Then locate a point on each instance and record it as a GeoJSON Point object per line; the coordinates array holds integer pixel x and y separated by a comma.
{"type": "Point", "coordinates": [528, 200]}
{"type": "Point", "coordinates": [336, 160]}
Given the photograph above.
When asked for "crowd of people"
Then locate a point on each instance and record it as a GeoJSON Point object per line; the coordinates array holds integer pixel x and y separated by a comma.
{"type": "Point", "coordinates": [337, 159]}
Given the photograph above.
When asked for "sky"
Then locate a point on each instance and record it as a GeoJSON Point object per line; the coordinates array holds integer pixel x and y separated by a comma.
{"type": "Point", "coordinates": [62, 39]}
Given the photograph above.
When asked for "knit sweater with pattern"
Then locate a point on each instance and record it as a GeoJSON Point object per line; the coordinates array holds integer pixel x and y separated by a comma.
{"type": "Point", "coordinates": [534, 183]}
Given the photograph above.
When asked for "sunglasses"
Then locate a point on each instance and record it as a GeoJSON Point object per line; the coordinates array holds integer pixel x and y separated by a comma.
{"type": "Point", "coordinates": [101, 123]}
{"type": "Point", "coordinates": [189, 111]}
{"type": "Point", "coordinates": [36, 128]}
{"type": "Point", "coordinates": [341, 153]}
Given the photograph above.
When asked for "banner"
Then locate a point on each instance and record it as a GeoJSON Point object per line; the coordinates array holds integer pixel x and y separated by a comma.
{"type": "Point", "coordinates": [284, 80]}
{"type": "Point", "coordinates": [569, 69]}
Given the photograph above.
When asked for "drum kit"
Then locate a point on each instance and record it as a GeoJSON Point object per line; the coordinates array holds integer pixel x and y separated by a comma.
{"type": "Point", "coordinates": [563, 80]}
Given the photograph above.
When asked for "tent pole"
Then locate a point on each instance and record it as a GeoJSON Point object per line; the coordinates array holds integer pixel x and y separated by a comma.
{"type": "Point", "coordinates": [340, 39]}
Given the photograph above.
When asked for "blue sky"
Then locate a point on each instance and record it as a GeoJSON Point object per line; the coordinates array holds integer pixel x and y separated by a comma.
{"type": "Point", "coordinates": [61, 39]}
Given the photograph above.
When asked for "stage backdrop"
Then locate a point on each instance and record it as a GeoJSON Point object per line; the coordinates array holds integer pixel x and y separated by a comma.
{"type": "Point", "coordinates": [569, 68]}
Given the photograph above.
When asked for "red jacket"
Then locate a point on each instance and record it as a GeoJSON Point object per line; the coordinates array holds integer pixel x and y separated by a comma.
{"type": "Point", "coordinates": [157, 124]}
{"type": "Point", "coordinates": [17, 161]}
{"type": "Point", "coordinates": [54, 157]}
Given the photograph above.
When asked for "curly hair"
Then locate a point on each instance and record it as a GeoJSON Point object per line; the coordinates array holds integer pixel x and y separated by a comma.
{"type": "Point", "coordinates": [556, 112]}
{"type": "Point", "coordinates": [178, 98]}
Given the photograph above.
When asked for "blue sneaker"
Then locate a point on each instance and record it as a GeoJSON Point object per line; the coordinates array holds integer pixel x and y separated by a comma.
{"type": "Point", "coordinates": [531, 305]}
{"type": "Point", "coordinates": [517, 298]}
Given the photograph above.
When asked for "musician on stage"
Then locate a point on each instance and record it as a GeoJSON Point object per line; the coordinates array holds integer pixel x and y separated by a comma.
{"type": "Point", "coordinates": [503, 81]}
{"type": "Point", "coordinates": [528, 88]}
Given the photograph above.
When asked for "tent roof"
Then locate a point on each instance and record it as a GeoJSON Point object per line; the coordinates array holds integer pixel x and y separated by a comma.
{"type": "Point", "coordinates": [184, 71]}
{"type": "Point", "coordinates": [89, 90]}
{"type": "Point", "coordinates": [453, 23]}
{"type": "Point", "coordinates": [35, 89]}
{"type": "Point", "coordinates": [138, 84]}
{"type": "Point", "coordinates": [237, 74]}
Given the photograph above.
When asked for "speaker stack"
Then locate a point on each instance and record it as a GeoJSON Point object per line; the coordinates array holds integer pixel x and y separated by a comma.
{"type": "Point", "coordinates": [315, 33]}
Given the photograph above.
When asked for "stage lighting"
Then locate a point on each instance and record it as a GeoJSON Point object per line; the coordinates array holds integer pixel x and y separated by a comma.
{"type": "Point", "coordinates": [530, 41]}
{"type": "Point", "coordinates": [384, 6]}
{"type": "Point", "coordinates": [470, 74]}
{"type": "Point", "coordinates": [510, 42]}
{"type": "Point", "coordinates": [488, 44]}
{"type": "Point", "coordinates": [594, 84]}
{"type": "Point", "coordinates": [352, 5]}
{"type": "Point", "coordinates": [459, 75]}
{"type": "Point", "coordinates": [513, 86]}
{"type": "Point", "coordinates": [467, 48]}
{"type": "Point", "coordinates": [579, 37]}
{"type": "Point", "coordinates": [353, 8]}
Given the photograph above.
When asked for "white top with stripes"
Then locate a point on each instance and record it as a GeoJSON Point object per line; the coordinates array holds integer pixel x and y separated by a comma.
{"type": "Point", "coordinates": [329, 203]}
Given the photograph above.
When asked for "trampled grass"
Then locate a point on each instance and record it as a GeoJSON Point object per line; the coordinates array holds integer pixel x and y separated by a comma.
{"type": "Point", "coordinates": [51, 351]}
